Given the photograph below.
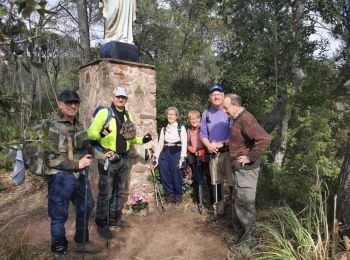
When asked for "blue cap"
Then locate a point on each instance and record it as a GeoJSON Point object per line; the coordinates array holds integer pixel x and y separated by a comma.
{"type": "Point", "coordinates": [216, 87]}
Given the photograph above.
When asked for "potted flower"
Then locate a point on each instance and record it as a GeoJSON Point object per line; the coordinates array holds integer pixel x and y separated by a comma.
{"type": "Point", "coordinates": [139, 204]}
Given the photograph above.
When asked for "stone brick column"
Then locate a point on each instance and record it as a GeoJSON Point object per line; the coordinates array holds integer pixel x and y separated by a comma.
{"type": "Point", "coordinates": [97, 81]}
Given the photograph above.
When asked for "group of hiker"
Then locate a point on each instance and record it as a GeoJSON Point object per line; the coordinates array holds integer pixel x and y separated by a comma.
{"type": "Point", "coordinates": [225, 141]}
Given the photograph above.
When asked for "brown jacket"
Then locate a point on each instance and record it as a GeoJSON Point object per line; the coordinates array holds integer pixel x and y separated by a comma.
{"type": "Point", "coordinates": [247, 137]}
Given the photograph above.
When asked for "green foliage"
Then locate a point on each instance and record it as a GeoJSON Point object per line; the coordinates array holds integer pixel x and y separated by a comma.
{"type": "Point", "coordinates": [295, 237]}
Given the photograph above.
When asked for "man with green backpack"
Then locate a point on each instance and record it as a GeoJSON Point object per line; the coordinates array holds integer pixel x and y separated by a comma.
{"type": "Point", "coordinates": [67, 158]}
{"type": "Point", "coordinates": [112, 129]}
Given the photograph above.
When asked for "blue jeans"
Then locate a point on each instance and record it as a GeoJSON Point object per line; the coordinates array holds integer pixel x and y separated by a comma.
{"type": "Point", "coordinates": [64, 187]}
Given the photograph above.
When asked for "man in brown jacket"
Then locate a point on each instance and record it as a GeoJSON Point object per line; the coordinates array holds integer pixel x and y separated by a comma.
{"type": "Point", "coordinates": [248, 140]}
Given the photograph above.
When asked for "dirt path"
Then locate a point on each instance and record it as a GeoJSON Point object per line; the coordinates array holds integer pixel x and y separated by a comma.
{"type": "Point", "coordinates": [23, 219]}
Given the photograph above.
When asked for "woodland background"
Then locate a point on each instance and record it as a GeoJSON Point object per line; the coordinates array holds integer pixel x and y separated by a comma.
{"type": "Point", "coordinates": [264, 51]}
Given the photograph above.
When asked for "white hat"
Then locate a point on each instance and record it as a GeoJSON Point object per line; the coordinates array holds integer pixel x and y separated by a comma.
{"type": "Point", "coordinates": [120, 91]}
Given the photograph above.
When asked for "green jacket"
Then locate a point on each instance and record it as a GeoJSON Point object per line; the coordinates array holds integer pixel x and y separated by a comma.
{"type": "Point", "coordinates": [56, 145]}
{"type": "Point", "coordinates": [109, 142]}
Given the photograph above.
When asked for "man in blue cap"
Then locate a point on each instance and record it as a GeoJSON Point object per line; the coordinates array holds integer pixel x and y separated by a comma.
{"type": "Point", "coordinates": [215, 132]}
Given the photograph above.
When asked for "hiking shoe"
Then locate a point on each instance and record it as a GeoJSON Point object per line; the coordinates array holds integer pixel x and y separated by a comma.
{"type": "Point", "coordinates": [195, 209]}
{"type": "Point", "coordinates": [122, 223]}
{"type": "Point", "coordinates": [178, 207]}
{"type": "Point", "coordinates": [168, 206]}
{"type": "Point", "coordinates": [89, 248]}
{"type": "Point", "coordinates": [59, 246]}
{"type": "Point", "coordinates": [104, 232]}
{"type": "Point", "coordinates": [211, 218]}
{"type": "Point", "coordinates": [232, 239]}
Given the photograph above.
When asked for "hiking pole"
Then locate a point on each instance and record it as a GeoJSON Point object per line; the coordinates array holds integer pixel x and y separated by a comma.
{"type": "Point", "coordinates": [157, 191]}
{"type": "Point", "coordinates": [86, 173]}
{"type": "Point", "coordinates": [199, 175]}
{"type": "Point", "coordinates": [216, 202]}
{"type": "Point", "coordinates": [105, 167]}
{"type": "Point", "coordinates": [153, 165]}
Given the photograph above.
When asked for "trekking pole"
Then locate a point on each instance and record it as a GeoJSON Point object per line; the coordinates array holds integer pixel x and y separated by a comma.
{"type": "Point", "coordinates": [105, 167]}
{"type": "Point", "coordinates": [157, 191]}
{"type": "Point", "coordinates": [216, 202]}
{"type": "Point", "coordinates": [86, 173]}
{"type": "Point", "coordinates": [199, 177]}
{"type": "Point", "coordinates": [153, 164]}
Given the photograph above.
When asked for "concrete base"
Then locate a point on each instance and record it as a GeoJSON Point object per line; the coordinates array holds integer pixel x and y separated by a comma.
{"type": "Point", "coordinates": [120, 50]}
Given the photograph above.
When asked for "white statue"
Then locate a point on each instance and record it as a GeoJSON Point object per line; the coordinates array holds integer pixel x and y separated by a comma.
{"type": "Point", "coordinates": [119, 15]}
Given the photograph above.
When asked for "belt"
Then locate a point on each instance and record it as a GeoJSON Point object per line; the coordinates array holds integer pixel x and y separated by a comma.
{"type": "Point", "coordinates": [223, 149]}
{"type": "Point", "coordinates": [172, 144]}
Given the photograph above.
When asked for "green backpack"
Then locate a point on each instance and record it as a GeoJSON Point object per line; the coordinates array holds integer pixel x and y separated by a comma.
{"type": "Point", "coordinates": [34, 148]}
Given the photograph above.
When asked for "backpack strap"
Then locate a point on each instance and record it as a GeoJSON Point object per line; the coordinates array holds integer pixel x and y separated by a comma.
{"type": "Point", "coordinates": [207, 120]}
{"type": "Point", "coordinates": [109, 117]}
{"type": "Point", "coordinates": [127, 116]}
{"type": "Point", "coordinates": [178, 130]}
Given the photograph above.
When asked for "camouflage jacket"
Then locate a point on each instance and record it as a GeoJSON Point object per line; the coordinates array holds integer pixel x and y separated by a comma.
{"type": "Point", "coordinates": [60, 135]}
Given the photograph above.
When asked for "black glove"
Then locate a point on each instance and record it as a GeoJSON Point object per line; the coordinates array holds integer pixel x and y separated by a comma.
{"type": "Point", "coordinates": [107, 129]}
{"type": "Point", "coordinates": [146, 138]}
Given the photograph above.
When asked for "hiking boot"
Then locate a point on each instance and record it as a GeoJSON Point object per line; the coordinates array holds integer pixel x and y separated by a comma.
{"type": "Point", "coordinates": [195, 209]}
{"type": "Point", "coordinates": [122, 223]}
{"type": "Point", "coordinates": [59, 246]}
{"type": "Point", "coordinates": [211, 218]}
{"type": "Point", "coordinates": [168, 206]}
{"type": "Point", "coordinates": [178, 207]}
{"type": "Point", "coordinates": [104, 232]}
{"type": "Point", "coordinates": [89, 248]}
{"type": "Point", "coordinates": [112, 222]}
{"type": "Point", "coordinates": [232, 239]}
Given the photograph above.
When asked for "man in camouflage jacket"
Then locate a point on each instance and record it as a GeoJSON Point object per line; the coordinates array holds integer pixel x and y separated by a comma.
{"type": "Point", "coordinates": [67, 160]}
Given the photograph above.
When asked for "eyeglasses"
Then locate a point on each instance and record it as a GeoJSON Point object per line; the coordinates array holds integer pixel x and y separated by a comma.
{"type": "Point", "coordinates": [74, 103]}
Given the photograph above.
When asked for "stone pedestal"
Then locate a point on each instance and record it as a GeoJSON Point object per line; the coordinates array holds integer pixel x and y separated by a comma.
{"type": "Point", "coordinates": [97, 81]}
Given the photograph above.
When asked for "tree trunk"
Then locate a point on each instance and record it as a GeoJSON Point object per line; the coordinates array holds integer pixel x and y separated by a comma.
{"type": "Point", "coordinates": [343, 193]}
{"type": "Point", "coordinates": [274, 117]}
{"type": "Point", "coordinates": [281, 151]}
{"type": "Point", "coordinates": [85, 54]}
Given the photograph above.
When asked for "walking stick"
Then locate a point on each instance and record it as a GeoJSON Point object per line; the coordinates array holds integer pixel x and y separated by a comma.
{"type": "Point", "coordinates": [149, 153]}
{"type": "Point", "coordinates": [199, 175]}
{"type": "Point", "coordinates": [105, 167]}
{"type": "Point", "coordinates": [86, 173]}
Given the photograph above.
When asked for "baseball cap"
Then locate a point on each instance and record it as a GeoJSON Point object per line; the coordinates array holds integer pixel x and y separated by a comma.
{"type": "Point", "coordinates": [68, 96]}
{"type": "Point", "coordinates": [215, 87]}
{"type": "Point", "coordinates": [120, 91]}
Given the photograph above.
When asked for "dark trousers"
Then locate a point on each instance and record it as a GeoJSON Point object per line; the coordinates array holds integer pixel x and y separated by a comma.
{"type": "Point", "coordinates": [113, 192]}
{"type": "Point", "coordinates": [62, 188]}
{"type": "Point", "coordinates": [197, 169]}
{"type": "Point", "coordinates": [243, 202]}
{"type": "Point", "coordinates": [170, 175]}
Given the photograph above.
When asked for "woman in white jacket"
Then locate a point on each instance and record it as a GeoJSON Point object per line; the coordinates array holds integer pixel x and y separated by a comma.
{"type": "Point", "coordinates": [171, 152]}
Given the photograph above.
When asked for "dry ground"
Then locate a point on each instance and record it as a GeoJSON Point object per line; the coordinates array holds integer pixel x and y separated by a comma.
{"type": "Point", "coordinates": [24, 225]}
